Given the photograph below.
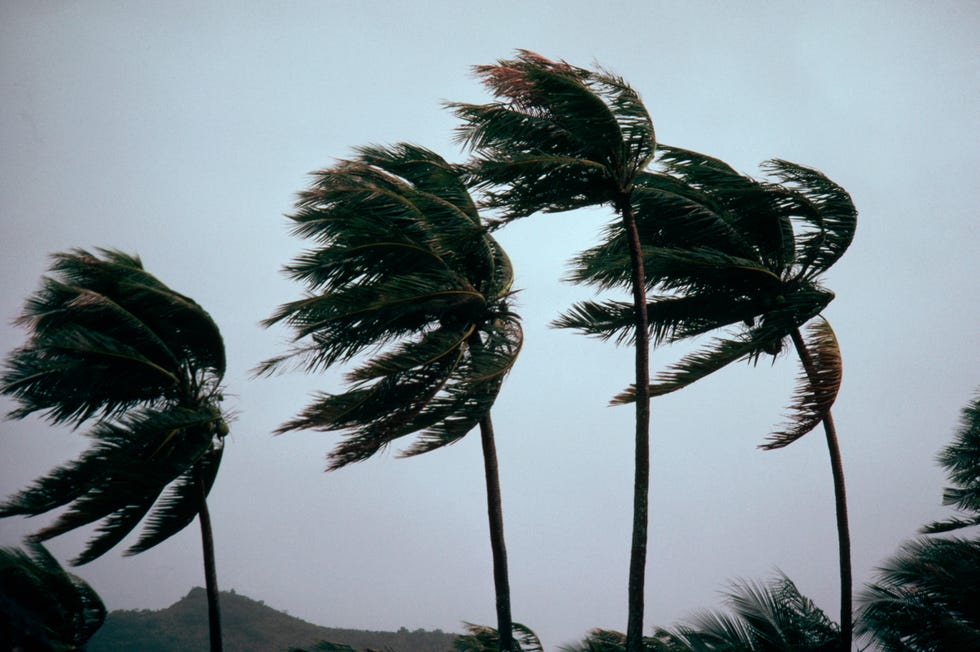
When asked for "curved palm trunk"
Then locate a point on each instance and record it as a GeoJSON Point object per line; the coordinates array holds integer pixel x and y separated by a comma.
{"type": "Point", "coordinates": [501, 582]}
{"type": "Point", "coordinates": [641, 479]}
{"type": "Point", "coordinates": [210, 573]}
{"type": "Point", "coordinates": [840, 498]}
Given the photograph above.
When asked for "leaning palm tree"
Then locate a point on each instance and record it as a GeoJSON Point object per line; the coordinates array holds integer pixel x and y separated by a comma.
{"type": "Point", "coordinates": [42, 607]}
{"type": "Point", "coordinates": [723, 250]}
{"type": "Point", "coordinates": [559, 138]}
{"type": "Point", "coordinates": [113, 346]}
{"type": "Point", "coordinates": [404, 268]}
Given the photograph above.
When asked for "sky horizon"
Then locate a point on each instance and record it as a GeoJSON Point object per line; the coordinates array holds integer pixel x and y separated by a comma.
{"type": "Point", "coordinates": [182, 133]}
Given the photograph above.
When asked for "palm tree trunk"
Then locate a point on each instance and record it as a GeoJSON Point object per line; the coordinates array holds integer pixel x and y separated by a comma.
{"type": "Point", "coordinates": [641, 478]}
{"type": "Point", "coordinates": [210, 573]}
{"type": "Point", "coordinates": [499, 550]}
{"type": "Point", "coordinates": [840, 498]}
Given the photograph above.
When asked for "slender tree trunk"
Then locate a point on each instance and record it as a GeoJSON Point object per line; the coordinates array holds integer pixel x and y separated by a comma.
{"type": "Point", "coordinates": [641, 479]}
{"type": "Point", "coordinates": [501, 582]}
{"type": "Point", "coordinates": [210, 573]}
{"type": "Point", "coordinates": [840, 498]}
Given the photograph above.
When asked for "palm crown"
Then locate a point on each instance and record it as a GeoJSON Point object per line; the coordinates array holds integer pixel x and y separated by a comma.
{"type": "Point", "coordinates": [722, 249]}
{"type": "Point", "coordinates": [109, 342]}
{"type": "Point", "coordinates": [402, 263]}
{"type": "Point", "coordinates": [560, 137]}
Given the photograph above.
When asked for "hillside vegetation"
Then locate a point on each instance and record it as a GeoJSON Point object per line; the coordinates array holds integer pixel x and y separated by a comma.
{"type": "Point", "coordinates": [249, 626]}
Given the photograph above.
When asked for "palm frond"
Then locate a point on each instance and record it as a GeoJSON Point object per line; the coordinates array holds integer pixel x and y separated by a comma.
{"type": "Point", "coordinates": [482, 638]}
{"type": "Point", "coordinates": [961, 459]}
{"type": "Point", "coordinates": [824, 210]}
{"type": "Point", "coordinates": [815, 392]}
{"type": "Point", "coordinates": [41, 605]}
{"type": "Point", "coordinates": [925, 598]}
{"type": "Point", "coordinates": [559, 137]}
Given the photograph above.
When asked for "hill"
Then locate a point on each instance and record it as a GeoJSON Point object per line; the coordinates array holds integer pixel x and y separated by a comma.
{"type": "Point", "coordinates": [248, 626]}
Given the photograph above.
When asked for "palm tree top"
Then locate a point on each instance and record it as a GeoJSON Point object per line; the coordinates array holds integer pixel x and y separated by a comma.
{"type": "Point", "coordinates": [725, 251]}
{"type": "Point", "coordinates": [558, 137]}
{"type": "Point", "coordinates": [106, 336]}
{"type": "Point", "coordinates": [404, 273]}
{"type": "Point", "coordinates": [110, 342]}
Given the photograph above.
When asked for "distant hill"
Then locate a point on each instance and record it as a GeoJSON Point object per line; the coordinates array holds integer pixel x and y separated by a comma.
{"type": "Point", "coordinates": [248, 626]}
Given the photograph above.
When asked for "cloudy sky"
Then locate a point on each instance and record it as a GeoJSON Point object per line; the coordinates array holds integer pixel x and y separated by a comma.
{"type": "Point", "coordinates": [181, 131]}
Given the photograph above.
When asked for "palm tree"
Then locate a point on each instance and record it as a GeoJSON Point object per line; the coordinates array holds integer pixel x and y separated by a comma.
{"type": "Point", "coordinates": [112, 344]}
{"type": "Point", "coordinates": [559, 138]}
{"type": "Point", "coordinates": [724, 250]}
{"type": "Point", "coordinates": [927, 597]}
{"type": "Point", "coordinates": [41, 606]}
{"type": "Point", "coordinates": [403, 262]}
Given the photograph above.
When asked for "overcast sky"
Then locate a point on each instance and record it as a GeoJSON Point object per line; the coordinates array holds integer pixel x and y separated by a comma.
{"type": "Point", "coordinates": [181, 131]}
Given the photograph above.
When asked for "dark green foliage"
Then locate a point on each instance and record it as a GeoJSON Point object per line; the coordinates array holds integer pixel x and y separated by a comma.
{"type": "Point", "coordinates": [961, 459]}
{"type": "Point", "coordinates": [926, 598]}
{"type": "Point", "coordinates": [725, 251]}
{"type": "Point", "coordinates": [480, 638]}
{"type": "Point", "coordinates": [402, 263]}
{"type": "Point", "coordinates": [774, 617]}
{"type": "Point", "coordinates": [110, 341]}
{"type": "Point", "coordinates": [559, 138]}
{"type": "Point", "coordinates": [41, 606]}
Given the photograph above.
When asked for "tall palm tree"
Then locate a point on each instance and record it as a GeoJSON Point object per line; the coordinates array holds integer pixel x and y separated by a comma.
{"type": "Point", "coordinates": [724, 250]}
{"type": "Point", "coordinates": [403, 262]}
{"type": "Point", "coordinates": [111, 344]}
{"type": "Point", "coordinates": [41, 606]}
{"type": "Point", "coordinates": [559, 138]}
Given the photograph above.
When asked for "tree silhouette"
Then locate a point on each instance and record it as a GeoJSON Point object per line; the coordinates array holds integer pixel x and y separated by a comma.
{"type": "Point", "coordinates": [404, 268]}
{"type": "Point", "coordinates": [111, 344]}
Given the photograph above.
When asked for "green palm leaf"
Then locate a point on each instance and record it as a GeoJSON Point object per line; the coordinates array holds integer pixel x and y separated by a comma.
{"type": "Point", "coordinates": [404, 264]}
{"type": "Point", "coordinates": [961, 459]}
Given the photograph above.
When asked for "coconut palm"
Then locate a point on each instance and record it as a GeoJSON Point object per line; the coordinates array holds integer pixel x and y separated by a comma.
{"type": "Point", "coordinates": [723, 250]}
{"type": "Point", "coordinates": [113, 346]}
{"type": "Point", "coordinates": [403, 269]}
{"type": "Point", "coordinates": [559, 138]}
{"type": "Point", "coordinates": [41, 606]}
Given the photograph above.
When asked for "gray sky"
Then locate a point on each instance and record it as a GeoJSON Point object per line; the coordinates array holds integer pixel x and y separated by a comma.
{"type": "Point", "coordinates": [181, 131]}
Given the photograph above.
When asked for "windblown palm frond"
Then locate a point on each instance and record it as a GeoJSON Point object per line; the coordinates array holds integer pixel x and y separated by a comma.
{"type": "Point", "coordinates": [925, 599]}
{"type": "Point", "coordinates": [109, 340]}
{"type": "Point", "coordinates": [726, 252]}
{"type": "Point", "coordinates": [559, 137]}
{"type": "Point", "coordinates": [774, 617]}
{"type": "Point", "coordinates": [42, 607]}
{"type": "Point", "coordinates": [961, 459]}
{"type": "Point", "coordinates": [481, 638]}
{"type": "Point", "coordinates": [402, 261]}
{"type": "Point", "coordinates": [112, 343]}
